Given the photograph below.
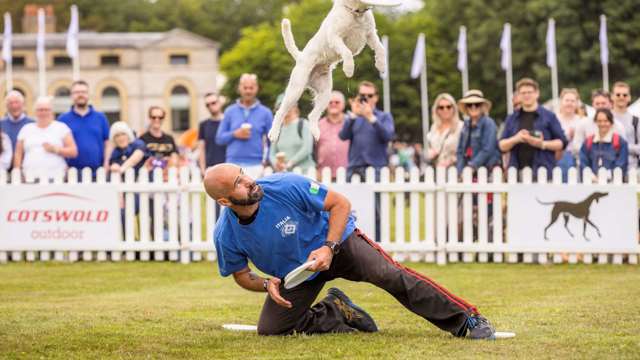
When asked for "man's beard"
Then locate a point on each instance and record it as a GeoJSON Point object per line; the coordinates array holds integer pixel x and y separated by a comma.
{"type": "Point", "coordinates": [255, 195]}
{"type": "Point", "coordinates": [81, 103]}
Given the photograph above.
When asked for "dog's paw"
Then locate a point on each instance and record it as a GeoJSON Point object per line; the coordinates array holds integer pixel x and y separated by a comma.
{"type": "Point", "coordinates": [274, 134]}
{"type": "Point", "coordinates": [348, 67]}
{"type": "Point", "coordinates": [315, 130]}
{"type": "Point", "coordinates": [381, 64]}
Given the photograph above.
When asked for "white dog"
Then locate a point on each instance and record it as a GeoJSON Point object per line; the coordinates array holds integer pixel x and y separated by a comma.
{"type": "Point", "coordinates": [345, 31]}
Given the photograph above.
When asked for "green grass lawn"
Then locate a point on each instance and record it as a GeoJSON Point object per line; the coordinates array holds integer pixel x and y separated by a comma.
{"type": "Point", "coordinates": [166, 310]}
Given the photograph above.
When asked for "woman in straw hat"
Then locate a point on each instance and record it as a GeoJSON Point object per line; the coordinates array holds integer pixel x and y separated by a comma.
{"type": "Point", "coordinates": [442, 139]}
{"type": "Point", "coordinates": [478, 145]}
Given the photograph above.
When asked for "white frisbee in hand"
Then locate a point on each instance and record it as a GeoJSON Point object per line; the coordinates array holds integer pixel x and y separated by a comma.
{"type": "Point", "coordinates": [298, 275]}
{"type": "Point", "coordinates": [240, 327]}
{"type": "Point", "coordinates": [504, 335]}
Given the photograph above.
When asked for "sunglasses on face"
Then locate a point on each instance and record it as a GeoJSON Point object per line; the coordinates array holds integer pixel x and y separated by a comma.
{"type": "Point", "coordinates": [370, 96]}
{"type": "Point", "coordinates": [443, 107]}
{"type": "Point", "coordinates": [475, 105]}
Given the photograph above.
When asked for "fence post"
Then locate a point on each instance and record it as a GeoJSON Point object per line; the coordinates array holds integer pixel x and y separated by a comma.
{"type": "Point", "coordinates": [441, 210]}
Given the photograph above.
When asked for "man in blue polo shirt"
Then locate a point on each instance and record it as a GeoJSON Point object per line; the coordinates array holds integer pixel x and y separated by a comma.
{"type": "Point", "coordinates": [284, 220]}
{"type": "Point", "coordinates": [244, 127]}
{"type": "Point", "coordinates": [16, 117]}
{"type": "Point", "coordinates": [90, 129]}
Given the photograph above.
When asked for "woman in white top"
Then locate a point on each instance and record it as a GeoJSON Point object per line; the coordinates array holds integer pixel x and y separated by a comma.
{"type": "Point", "coordinates": [443, 137]}
{"type": "Point", "coordinates": [6, 153]}
{"type": "Point", "coordinates": [43, 146]}
{"type": "Point", "coordinates": [570, 119]}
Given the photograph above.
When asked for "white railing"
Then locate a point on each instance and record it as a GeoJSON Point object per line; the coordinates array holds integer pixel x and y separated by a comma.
{"type": "Point", "coordinates": [438, 223]}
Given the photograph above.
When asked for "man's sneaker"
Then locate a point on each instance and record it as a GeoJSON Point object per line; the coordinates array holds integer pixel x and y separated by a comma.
{"type": "Point", "coordinates": [480, 328]}
{"type": "Point", "coordinates": [353, 315]}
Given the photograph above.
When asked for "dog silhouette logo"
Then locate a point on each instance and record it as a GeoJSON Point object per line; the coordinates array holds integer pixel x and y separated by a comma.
{"type": "Point", "coordinates": [580, 211]}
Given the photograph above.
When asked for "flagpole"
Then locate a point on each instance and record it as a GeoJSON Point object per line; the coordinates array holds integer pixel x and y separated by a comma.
{"type": "Point", "coordinates": [41, 52]}
{"type": "Point", "coordinates": [509, 72]}
{"type": "Point", "coordinates": [554, 71]}
{"type": "Point", "coordinates": [73, 42]}
{"type": "Point", "coordinates": [424, 95]}
{"type": "Point", "coordinates": [465, 71]}
{"type": "Point", "coordinates": [7, 51]}
{"type": "Point", "coordinates": [604, 42]}
{"type": "Point", "coordinates": [386, 87]}
{"type": "Point", "coordinates": [8, 66]}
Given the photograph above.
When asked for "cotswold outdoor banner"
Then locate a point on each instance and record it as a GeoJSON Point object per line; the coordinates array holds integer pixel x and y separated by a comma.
{"type": "Point", "coordinates": [579, 218]}
{"type": "Point", "coordinates": [56, 217]}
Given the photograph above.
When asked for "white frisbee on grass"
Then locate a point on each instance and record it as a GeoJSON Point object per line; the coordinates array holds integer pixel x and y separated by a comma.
{"type": "Point", "coordinates": [298, 275]}
{"type": "Point", "coordinates": [504, 335]}
{"type": "Point", "coordinates": [240, 327]}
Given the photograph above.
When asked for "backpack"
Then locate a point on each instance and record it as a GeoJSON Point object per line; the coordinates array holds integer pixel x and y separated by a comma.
{"type": "Point", "coordinates": [615, 141]}
{"type": "Point", "coordinates": [313, 150]}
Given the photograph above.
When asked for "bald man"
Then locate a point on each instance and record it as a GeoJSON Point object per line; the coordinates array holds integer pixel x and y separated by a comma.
{"type": "Point", "coordinates": [284, 220]}
{"type": "Point", "coordinates": [244, 128]}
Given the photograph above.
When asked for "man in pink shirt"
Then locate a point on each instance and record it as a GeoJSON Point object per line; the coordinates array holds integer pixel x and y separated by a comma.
{"type": "Point", "coordinates": [332, 152]}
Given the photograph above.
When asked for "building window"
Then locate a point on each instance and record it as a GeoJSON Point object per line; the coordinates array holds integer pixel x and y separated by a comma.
{"type": "Point", "coordinates": [61, 61]}
{"type": "Point", "coordinates": [110, 104]}
{"type": "Point", "coordinates": [110, 60]}
{"type": "Point", "coordinates": [180, 113]}
{"type": "Point", "coordinates": [179, 59]}
{"type": "Point", "coordinates": [61, 100]}
{"type": "Point", "coordinates": [17, 61]}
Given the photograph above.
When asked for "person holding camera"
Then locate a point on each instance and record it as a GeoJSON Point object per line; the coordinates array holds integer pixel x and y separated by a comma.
{"type": "Point", "coordinates": [533, 134]}
{"type": "Point", "coordinates": [369, 130]}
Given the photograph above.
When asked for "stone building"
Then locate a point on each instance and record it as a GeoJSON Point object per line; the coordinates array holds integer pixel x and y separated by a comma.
{"type": "Point", "coordinates": [127, 72]}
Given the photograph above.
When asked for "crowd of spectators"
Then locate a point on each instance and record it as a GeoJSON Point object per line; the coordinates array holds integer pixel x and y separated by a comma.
{"type": "Point", "coordinates": [355, 135]}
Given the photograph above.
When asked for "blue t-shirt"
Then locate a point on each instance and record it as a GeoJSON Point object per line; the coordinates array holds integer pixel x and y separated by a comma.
{"type": "Point", "coordinates": [90, 132]}
{"type": "Point", "coordinates": [249, 151]}
{"type": "Point", "coordinates": [120, 155]}
{"type": "Point", "coordinates": [290, 224]}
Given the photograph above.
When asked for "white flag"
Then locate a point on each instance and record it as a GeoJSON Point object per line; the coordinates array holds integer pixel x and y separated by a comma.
{"type": "Point", "coordinates": [604, 41]}
{"type": "Point", "coordinates": [6, 39]}
{"type": "Point", "coordinates": [418, 58]}
{"type": "Point", "coordinates": [552, 59]}
{"type": "Point", "coordinates": [72, 33]}
{"type": "Point", "coordinates": [40, 38]}
{"type": "Point", "coordinates": [505, 46]}
{"type": "Point", "coordinates": [462, 49]}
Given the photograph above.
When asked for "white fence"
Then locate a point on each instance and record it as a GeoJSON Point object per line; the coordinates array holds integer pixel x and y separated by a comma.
{"type": "Point", "coordinates": [429, 217]}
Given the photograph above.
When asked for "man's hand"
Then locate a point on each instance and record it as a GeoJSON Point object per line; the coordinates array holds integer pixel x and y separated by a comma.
{"type": "Point", "coordinates": [242, 133]}
{"type": "Point", "coordinates": [522, 135]}
{"type": "Point", "coordinates": [367, 112]}
{"type": "Point", "coordinates": [273, 288]}
{"type": "Point", "coordinates": [323, 257]}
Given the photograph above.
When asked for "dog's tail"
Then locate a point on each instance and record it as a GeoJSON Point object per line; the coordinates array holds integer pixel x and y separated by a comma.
{"type": "Point", "coordinates": [289, 41]}
{"type": "Point", "coordinates": [544, 203]}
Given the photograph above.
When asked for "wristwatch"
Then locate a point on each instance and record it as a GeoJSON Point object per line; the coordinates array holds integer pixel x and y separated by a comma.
{"type": "Point", "coordinates": [333, 245]}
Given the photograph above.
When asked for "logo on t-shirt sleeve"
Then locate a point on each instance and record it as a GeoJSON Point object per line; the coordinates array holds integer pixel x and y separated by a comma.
{"type": "Point", "coordinates": [314, 188]}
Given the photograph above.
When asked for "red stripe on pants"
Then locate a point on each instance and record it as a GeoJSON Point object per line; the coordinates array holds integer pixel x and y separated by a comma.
{"type": "Point", "coordinates": [456, 300]}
